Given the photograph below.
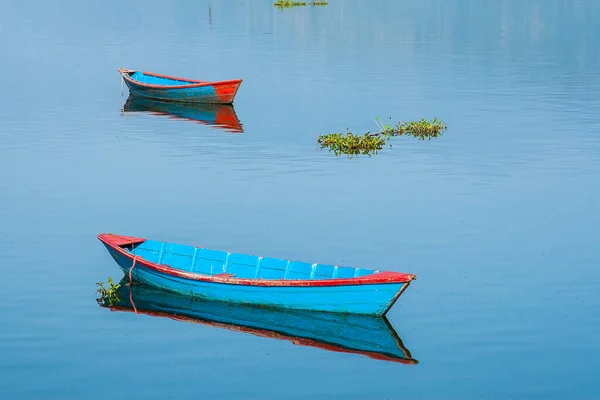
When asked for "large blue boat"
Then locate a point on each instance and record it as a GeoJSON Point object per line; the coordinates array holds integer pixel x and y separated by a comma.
{"type": "Point", "coordinates": [248, 279]}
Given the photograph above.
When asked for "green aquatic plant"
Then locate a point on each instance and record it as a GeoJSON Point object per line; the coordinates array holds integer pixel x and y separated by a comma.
{"type": "Point", "coordinates": [291, 3]}
{"type": "Point", "coordinates": [108, 295]}
{"type": "Point", "coordinates": [370, 143]}
{"type": "Point", "coordinates": [422, 129]}
{"type": "Point", "coordinates": [351, 144]}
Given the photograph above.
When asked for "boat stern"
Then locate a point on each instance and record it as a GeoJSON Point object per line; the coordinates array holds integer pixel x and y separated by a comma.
{"type": "Point", "coordinates": [112, 240]}
{"type": "Point", "coordinates": [115, 245]}
{"type": "Point", "coordinates": [125, 71]}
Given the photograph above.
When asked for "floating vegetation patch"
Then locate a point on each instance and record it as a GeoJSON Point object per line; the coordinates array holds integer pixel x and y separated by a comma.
{"type": "Point", "coordinates": [371, 143]}
{"type": "Point", "coordinates": [290, 3]}
{"type": "Point", "coordinates": [109, 295]}
{"type": "Point", "coordinates": [351, 144]}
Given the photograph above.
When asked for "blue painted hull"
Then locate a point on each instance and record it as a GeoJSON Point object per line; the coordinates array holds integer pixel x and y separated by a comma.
{"type": "Point", "coordinates": [372, 299]}
{"type": "Point", "coordinates": [206, 94]}
{"type": "Point", "coordinates": [370, 336]}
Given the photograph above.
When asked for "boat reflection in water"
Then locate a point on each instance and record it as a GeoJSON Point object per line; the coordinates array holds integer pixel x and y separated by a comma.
{"type": "Point", "coordinates": [221, 116]}
{"type": "Point", "coordinates": [365, 335]}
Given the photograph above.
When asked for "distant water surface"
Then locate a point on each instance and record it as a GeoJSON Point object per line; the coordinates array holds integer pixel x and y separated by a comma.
{"type": "Point", "coordinates": [499, 217]}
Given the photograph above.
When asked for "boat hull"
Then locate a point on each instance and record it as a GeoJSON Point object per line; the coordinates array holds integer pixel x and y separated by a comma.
{"type": "Point", "coordinates": [221, 94]}
{"type": "Point", "coordinates": [370, 299]}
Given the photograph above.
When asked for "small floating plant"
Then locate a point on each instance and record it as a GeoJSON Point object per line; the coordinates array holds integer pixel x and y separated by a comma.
{"type": "Point", "coordinates": [370, 143]}
{"type": "Point", "coordinates": [291, 3]}
{"type": "Point", "coordinates": [108, 295]}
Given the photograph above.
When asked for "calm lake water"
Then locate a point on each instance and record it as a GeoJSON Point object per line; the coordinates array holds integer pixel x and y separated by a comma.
{"type": "Point", "coordinates": [499, 217]}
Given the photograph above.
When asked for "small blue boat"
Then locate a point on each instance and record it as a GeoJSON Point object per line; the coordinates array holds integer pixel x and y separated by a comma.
{"type": "Point", "coordinates": [220, 116]}
{"type": "Point", "coordinates": [365, 335]}
{"type": "Point", "coordinates": [248, 279]}
{"type": "Point", "coordinates": [171, 88]}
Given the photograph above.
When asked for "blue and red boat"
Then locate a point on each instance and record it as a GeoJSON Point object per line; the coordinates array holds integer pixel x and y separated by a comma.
{"type": "Point", "coordinates": [364, 335]}
{"type": "Point", "coordinates": [171, 88]}
{"type": "Point", "coordinates": [248, 279]}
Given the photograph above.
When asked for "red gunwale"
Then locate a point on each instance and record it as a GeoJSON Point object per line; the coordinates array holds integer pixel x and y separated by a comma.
{"type": "Point", "coordinates": [116, 242]}
{"type": "Point", "coordinates": [125, 74]}
{"type": "Point", "coordinates": [274, 335]}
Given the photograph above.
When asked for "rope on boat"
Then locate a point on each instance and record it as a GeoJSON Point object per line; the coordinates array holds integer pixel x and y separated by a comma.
{"type": "Point", "coordinates": [131, 281]}
{"type": "Point", "coordinates": [131, 270]}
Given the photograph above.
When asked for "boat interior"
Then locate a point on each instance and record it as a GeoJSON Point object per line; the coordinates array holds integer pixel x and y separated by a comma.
{"type": "Point", "coordinates": [158, 80]}
{"type": "Point", "coordinates": [215, 262]}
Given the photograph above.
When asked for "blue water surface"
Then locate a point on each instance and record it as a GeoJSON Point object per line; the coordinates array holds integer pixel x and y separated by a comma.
{"type": "Point", "coordinates": [499, 217]}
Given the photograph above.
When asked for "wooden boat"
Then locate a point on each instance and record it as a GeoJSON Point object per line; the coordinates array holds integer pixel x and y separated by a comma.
{"type": "Point", "coordinates": [221, 116]}
{"type": "Point", "coordinates": [248, 279]}
{"type": "Point", "coordinates": [170, 88]}
{"type": "Point", "coordinates": [365, 335]}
